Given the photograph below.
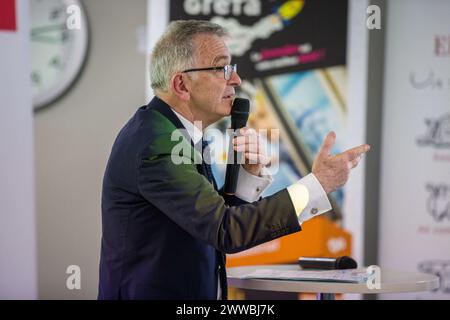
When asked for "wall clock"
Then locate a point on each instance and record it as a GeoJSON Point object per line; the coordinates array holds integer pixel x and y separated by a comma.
{"type": "Point", "coordinates": [59, 44]}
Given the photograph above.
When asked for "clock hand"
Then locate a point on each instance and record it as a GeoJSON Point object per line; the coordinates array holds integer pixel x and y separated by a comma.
{"type": "Point", "coordinates": [44, 29]}
{"type": "Point", "coordinates": [51, 40]}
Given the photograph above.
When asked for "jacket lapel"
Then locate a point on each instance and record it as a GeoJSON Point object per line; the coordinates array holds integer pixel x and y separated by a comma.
{"type": "Point", "coordinates": [164, 109]}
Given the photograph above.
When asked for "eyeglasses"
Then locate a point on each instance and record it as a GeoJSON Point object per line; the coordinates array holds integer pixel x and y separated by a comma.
{"type": "Point", "coordinates": [227, 70]}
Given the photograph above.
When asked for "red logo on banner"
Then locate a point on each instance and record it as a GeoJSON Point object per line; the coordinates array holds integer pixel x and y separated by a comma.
{"type": "Point", "coordinates": [8, 15]}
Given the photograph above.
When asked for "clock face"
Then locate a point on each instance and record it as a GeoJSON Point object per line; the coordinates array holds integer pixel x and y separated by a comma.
{"type": "Point", "coordinates": [59, 42]}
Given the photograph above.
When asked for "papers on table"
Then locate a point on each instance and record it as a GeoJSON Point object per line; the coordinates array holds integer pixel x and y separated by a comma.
{"type": "Point", "coordinates": [348, 275]}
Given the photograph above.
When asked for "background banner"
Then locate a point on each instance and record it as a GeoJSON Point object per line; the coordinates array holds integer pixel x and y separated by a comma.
{"type": "Point", "coordinates": [415, 181]}
{"type": "Point", "coordinates": [291, 56]}
{"type": "Point", "coordinates": [275, 37]}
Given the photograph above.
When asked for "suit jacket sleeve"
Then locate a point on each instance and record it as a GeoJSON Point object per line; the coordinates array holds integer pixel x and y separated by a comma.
{"type": "Point", "coordinates": [188, 199]}
{"type": "Point", "coordinates": [231, 200]}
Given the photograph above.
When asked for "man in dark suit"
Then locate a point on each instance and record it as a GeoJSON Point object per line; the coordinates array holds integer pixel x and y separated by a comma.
{"type": "Point", "coordinates": [166, 227]}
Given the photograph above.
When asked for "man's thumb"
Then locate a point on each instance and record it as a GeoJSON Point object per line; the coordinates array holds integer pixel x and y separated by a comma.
{"type": "Point", "coordinates": [328, 143]}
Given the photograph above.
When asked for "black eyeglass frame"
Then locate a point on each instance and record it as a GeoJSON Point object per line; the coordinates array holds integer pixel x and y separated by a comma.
{"type": "Point", "coordinates": [224, 68]}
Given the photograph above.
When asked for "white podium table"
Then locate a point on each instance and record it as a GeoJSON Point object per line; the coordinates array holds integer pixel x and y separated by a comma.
{"type": "Point", "coordinates": [391, 282]}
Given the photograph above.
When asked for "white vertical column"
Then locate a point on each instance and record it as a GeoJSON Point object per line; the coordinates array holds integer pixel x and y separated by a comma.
{"type": "Point", "coordinates": [18, 274]}
{"type": "Point", "coordinates": [357, 63]}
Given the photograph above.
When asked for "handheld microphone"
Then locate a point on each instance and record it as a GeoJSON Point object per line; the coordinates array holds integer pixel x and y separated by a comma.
{"type": "Point", "coordinates": [239, 117]}
{"type": "Point", "coordinates": [343, 262]}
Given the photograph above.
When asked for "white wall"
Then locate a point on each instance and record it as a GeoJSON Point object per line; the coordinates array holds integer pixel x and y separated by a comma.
{"type": "Point", "coordinates": [18, 276]}
{"type": "Point", "coordinates": [73, 140]}
{"type": "Point", "coordinates": [157, 20]}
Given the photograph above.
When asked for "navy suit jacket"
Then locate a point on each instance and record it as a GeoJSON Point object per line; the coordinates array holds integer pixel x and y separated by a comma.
{"type": "Point", "coordinates": [165, 227]}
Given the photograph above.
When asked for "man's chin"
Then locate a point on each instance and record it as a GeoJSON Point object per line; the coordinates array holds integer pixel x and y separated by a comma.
{"type": "Point", "coordinates": [228, 103]}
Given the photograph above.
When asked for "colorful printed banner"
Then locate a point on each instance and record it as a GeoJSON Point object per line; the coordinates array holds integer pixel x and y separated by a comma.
{"type": "Point", "coordinates": [275, 37]}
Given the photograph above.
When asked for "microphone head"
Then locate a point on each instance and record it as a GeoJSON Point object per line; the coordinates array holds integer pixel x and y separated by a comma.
{"type": "Point", "coordinates": [239, 113]}
{"type": "Point", "coordinates": [345, 262]}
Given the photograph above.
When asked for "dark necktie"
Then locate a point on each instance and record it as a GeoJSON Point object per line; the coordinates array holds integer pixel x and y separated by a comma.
{"type": "Point", "coordinates": [220, 257]}
{"type": "Point", "coordinates": [206, 162]}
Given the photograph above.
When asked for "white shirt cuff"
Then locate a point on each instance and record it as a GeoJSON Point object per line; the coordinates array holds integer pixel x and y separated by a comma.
{"type": "Point", "coordinates": [309, 198]}
{"type": "Point", "coordinates": [250, 187]}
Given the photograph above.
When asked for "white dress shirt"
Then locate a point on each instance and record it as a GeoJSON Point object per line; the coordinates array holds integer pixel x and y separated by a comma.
{"type": "Point", "coordinates": [307, 195]}
{"type": "Point", "coordinates": [249, 187]}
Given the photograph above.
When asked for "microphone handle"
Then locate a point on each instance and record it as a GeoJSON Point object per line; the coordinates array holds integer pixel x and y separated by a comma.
{"type": "Point", "coordinates": [231, 183]}
{"type": "Point", "coordinates": [232, 173]}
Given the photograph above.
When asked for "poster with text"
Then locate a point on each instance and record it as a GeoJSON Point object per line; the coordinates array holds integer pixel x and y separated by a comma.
{"type": "Point", "coordinates": [415, 188]}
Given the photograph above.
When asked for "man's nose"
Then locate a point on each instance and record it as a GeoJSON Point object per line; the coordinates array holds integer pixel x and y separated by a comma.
{"type": "Point", "coordinates": [235, 80]}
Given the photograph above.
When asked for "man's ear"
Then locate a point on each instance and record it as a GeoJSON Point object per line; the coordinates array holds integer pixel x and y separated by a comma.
{"type": "Point", "coordinates": [179, 87]}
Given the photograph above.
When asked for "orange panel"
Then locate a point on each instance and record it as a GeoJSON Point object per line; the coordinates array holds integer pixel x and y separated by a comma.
{"type": "Point", "coordinates": [319, 237]}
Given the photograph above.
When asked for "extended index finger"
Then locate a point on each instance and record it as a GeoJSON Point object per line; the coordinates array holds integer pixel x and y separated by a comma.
{"type": "Point", "coordinates": [355, 152]}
